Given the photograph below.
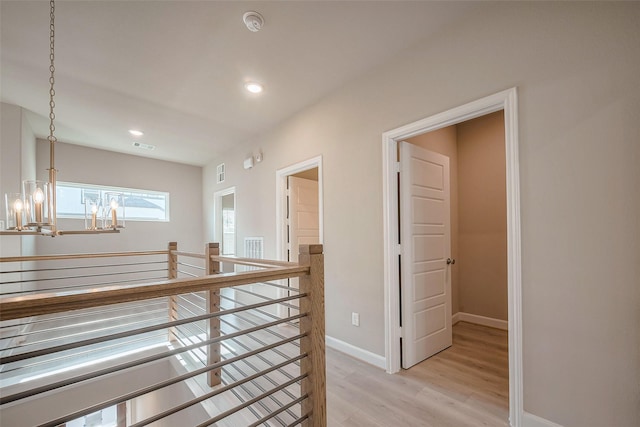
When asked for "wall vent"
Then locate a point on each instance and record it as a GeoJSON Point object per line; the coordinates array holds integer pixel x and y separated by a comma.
{"type": "Point", "coordinates": [220, 173]}
{"type": "Point", "coordinates": [253, 247]}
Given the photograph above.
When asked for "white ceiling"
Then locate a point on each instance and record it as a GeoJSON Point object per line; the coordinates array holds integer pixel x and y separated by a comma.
{"type": "Point", "coordinates": [176, 69]}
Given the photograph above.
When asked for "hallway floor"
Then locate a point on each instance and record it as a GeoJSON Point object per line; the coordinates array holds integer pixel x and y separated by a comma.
{"type": "Point", "coordinates": [465, 385]}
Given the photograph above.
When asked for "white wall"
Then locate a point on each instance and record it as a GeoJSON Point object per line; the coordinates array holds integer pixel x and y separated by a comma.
{"type": "Point", "coordinates": [576, 66]}
{"type": "Point", "coordinates": [10, 169]}
{"type": "Point", "coordinates": [17, 163]}
{"type": "Point", "coordinates": [92, 166]}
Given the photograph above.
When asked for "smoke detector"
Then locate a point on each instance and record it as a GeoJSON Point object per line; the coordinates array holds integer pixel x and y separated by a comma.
{"type": "Point", "coordinates": [253, 20]}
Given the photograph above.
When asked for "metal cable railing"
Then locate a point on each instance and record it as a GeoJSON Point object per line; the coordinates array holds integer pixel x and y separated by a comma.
{"type": "Point", "coordinates": [195, 303]}
{"type": "Point", "coordinates": [204, 347]}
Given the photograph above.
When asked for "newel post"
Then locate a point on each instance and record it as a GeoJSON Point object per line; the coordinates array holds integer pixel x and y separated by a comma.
{"type": "Point", "coordinates": [213, 306]}
{"type": "Point", "coordinates": [172, 273]}
{"type": "Point", "coordinates": [313, 343]}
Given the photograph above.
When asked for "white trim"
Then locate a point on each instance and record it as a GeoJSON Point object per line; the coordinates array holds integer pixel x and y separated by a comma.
{"type": "Point", "coordinates": [507, 101]}
{"type": "Point", "coordinates": [357, 352]}
{"type": "Point", "coordinates": [530, 420]}
{"type": "Point", "coordinates": [281, 209]}
{"type": "Point", "coordinates": [480, 320]}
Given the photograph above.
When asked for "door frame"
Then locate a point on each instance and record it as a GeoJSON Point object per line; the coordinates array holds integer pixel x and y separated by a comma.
{"type": "Point", "coordinates": [281, 209]}
{"type": "Point", "coordinates": [508, 102]}
{"type": "Point", "coordinates": [281, 202]}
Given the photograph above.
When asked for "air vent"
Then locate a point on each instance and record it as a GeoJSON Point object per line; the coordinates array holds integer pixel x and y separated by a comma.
{"type": "Point", "coordinates": [220, 173]}
{"type": "Point", "coordinates": [143, 146]}
{"type": "Point", "coordinates": [253, 247]}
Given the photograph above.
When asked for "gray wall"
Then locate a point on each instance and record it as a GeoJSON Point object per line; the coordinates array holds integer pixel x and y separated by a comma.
{"type": "Point", "coordinates": [576, 66]}
{"type": "Point", "coordinates": [92, 166]}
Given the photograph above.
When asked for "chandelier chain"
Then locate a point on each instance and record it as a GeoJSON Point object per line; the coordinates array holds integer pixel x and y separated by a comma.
{"type": "Point", "coordinates": [52, 69]}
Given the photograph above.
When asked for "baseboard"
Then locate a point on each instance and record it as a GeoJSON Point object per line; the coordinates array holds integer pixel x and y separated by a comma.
{"type": "Point", "coordinates": [357, 352]}
{"type": "Point", "coordinates": [480, 320]}
{"type": "Point", "coordinates": [455, 318]}
{"type": "Point", "coordinates": [530, 420]}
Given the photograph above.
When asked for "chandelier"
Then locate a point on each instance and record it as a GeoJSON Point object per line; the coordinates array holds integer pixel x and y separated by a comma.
{"type": "Point", "coordinates": [33, 211]}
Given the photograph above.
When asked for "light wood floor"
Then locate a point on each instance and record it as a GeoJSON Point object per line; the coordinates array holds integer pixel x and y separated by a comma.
{"type": "Point", "coordinates": [465, 385]}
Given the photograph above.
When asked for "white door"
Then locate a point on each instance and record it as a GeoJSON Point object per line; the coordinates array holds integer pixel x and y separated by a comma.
{"type": "Point", "coordinates": [425, 235]}
{"type": "Point", "coordinates": [302, 219]}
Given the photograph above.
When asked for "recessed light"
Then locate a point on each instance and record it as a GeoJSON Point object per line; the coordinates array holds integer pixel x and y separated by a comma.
{"type": "Point", "coordinates": [135, 132]}
{"type": "Point", "coordinates": [253, 87]}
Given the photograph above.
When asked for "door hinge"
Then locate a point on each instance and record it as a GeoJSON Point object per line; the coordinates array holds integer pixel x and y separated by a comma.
{"type": "Point", "coordinates": [398, 249]}
{"type": "Point", "coordinates": [400, 332]}
{"type": "Point", "coordinates": [397, 166]}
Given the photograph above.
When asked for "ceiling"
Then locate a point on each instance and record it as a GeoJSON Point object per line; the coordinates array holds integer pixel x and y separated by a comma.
{"type": "Point", "coordinates": [176, 69]}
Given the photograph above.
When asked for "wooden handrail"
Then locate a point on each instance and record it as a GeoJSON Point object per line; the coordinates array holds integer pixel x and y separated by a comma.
{"type": "Point", "coordinates": [39, 304]}
{"type": "Point", "coordinates": [188, 254]}
{"type": "Point", "coordinates": [79, 256]}
{"type": "Point", "coordinates": [268, 263]}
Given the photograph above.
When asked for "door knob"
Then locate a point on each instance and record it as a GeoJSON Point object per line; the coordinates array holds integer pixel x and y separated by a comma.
{"type": "Point", "coordinates": [450, 261]}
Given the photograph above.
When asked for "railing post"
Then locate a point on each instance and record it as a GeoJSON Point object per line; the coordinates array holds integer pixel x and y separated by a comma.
{"type": "Point", "coordinates": [313, 324]}
{"type": "Point", "coordinates": [172, 273]}
{"type": "Point", "coordinates": [214, 377]}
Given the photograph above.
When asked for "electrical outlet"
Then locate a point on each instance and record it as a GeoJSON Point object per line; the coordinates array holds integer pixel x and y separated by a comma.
{"type": "Point", "coordinates": [355, 319]}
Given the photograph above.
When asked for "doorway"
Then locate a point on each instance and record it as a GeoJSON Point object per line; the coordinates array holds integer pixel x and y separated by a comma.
{"type": "Point", "coordinates": [454, 233]}
{"type": "Point", "coordinates": [506, 101]}
{"type": "Point", "coordinates": [299, 214]}
{"type": "Point", "coordinates": [224, 220]}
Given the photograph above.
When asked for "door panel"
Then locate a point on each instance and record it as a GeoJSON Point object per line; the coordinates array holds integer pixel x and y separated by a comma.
{"type": "Point", "coordinates": [427, 248]}
{"type": "Point", "coordinates": [426, 234]}
{"type": "Point", "coordinates": [433, 285]}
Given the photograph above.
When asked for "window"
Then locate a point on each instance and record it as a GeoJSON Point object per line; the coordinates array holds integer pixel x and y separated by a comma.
{"type": "Point", "coordinates": [140, 205]}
